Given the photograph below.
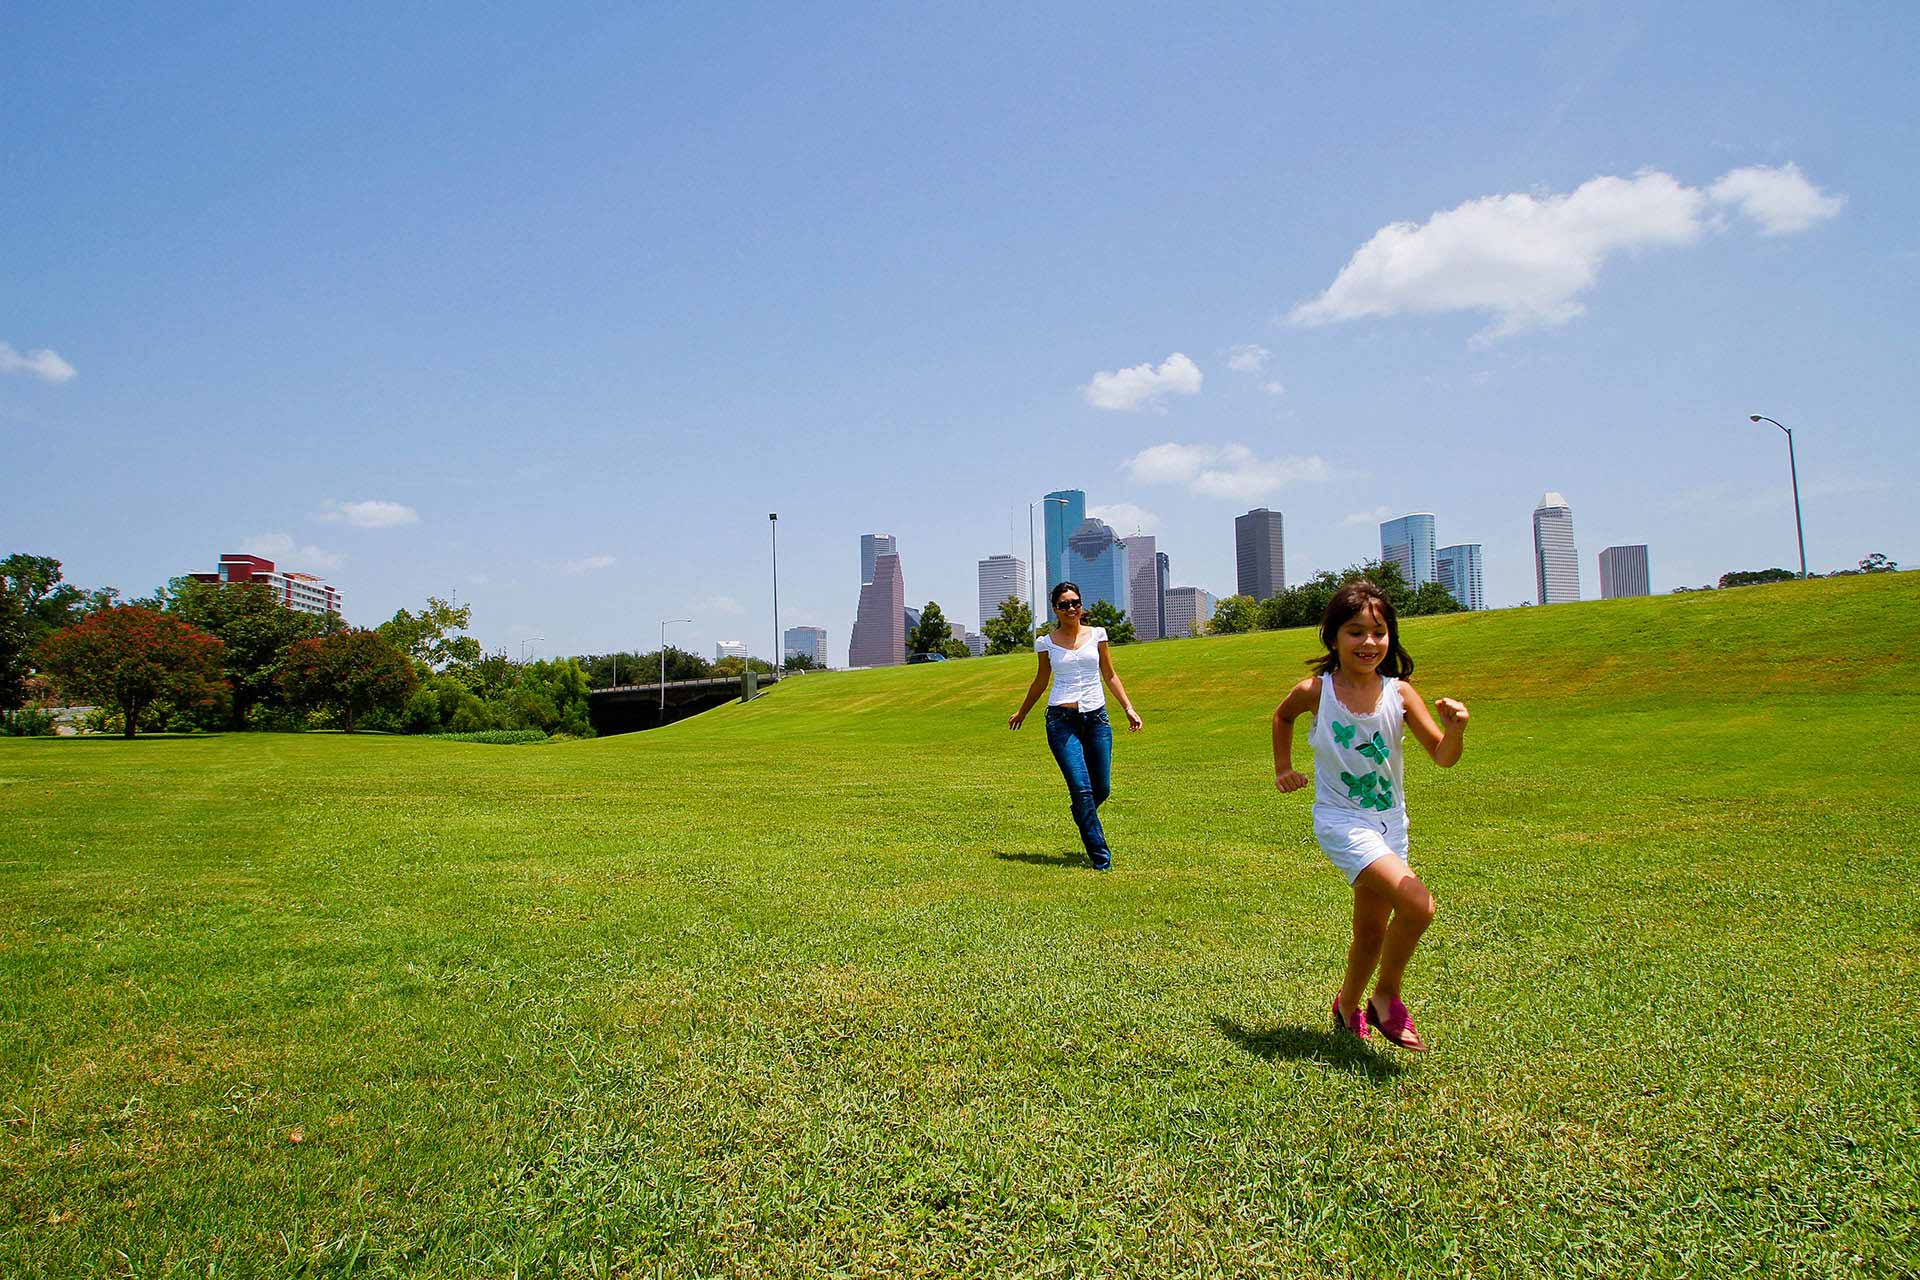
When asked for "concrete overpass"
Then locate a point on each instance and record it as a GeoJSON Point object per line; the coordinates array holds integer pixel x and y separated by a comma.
{"type": "Point", "coordinates": [628, 708]}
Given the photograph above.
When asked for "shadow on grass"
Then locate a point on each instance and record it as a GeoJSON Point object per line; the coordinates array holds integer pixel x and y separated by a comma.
{"type": "Point", "coordinates": [1331, 1048]}
{"type": "Point", "coordinates": [1042, 859]}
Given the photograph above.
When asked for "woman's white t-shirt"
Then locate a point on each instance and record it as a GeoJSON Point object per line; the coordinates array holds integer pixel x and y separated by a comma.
{"type": "Point", "coordinates": [1076, 672]}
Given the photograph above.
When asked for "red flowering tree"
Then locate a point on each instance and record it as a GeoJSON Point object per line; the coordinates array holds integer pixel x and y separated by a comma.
{"type": "Point", "coordinates": [130, 658]}
{"type": "Point", "coordinates": [352, 672]}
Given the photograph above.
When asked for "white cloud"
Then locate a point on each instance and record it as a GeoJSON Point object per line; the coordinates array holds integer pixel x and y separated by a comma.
{"type": "Point", "coordinates": [287, 554]}
{"type": "Point", "coordinates": [43, 364]}
{"type": "Point", "coordinates": [1374, 516]}
{"type": "Point", "coordinates": [1144, 386]}
{"type": "Point", "coordinates": [1273, 388]}
{"type": "Point", "coordinates": [374, 513]}
{"type": "Point", "coordinates": [1526, 259]}
{"type": "Point", "coordinates": [1248, 357]}
{"type": "Point", "coordinates": [1780, 199]}
{"type": "Point", "coordinates": [586, 564]}
{"type": "Point", "coordinates": [1222, 471]}
{"type": "Point", "coordinates": [1126, 518]}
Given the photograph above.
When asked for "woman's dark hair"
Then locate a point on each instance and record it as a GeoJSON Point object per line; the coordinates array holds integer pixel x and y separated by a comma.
{"type": "Point", "coordinates": [1053, 596]}
{"type": "Point", "coordinates": [1349, 602]}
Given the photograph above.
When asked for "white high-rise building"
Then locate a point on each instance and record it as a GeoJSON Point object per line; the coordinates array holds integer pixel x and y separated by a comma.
{"type": "Point", "coordinates": [1623, 572]}
{"type": "Point", "coordinates": [1001, 578]}
{"type": "Point", "coordinates": [1189, 609]}
{"type": "Point", "coordinates": [1556, 561]}
{"type": "Point", "coordinates": [807, 642]}
{"type": "Point", "coordinates": [730, 649]}
{"type": "Point", "coordinates": [1457, 568]}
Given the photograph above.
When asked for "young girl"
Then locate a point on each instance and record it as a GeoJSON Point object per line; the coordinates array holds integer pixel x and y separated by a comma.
{"type": "Point", "coordinates": [1361, 704]}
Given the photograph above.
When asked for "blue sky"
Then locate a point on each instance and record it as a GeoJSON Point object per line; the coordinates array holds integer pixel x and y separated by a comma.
{"type": "Point", "coordinates": [552, 308]}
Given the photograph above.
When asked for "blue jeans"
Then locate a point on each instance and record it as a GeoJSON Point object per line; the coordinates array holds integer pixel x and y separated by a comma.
{"type": "Point", "coordinates": [1082, 743]}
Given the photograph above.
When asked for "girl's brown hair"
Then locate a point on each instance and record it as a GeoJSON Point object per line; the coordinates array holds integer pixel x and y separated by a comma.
{"type": "Point", "coordinates": [1348, 602]}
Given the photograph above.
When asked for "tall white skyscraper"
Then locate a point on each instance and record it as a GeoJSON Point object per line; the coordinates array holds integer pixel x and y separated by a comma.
{"type": "Point", "coordinates": [730, 649]}
{"type": "Point", "coordinates": [1457, 568]}
{"type": "Point", "coordinates": [1145, 609]}
{"type": "Point", "coordinates": [1556, 561]}
{"type": "Point", "coordinates": [1408, 542]}
{"type": "Point", "coordinates": [1623, 572]}
{"type": "Point", "coordinates": [1001, 577]}
{"type": "Point", "coordinates": [873, 545]}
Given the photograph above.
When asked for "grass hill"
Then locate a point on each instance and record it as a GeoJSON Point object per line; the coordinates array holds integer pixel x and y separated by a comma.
{"type": "Point", "coordinates": [817, 984]}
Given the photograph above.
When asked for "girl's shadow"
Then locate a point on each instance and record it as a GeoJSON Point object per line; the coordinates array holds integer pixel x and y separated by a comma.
{"type": "Point", "coordinates": [1043, 859]}
{"type": "Point", "coordinates": [1329, 1048]}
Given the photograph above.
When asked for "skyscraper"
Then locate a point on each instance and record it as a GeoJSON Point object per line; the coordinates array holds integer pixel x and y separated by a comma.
{"type": "Point", "coordinates": [1144, 607]}
{"type": "Point", "coordinates": [1408, 542]}
{"type": "Point", "coordinates": [1556, 562]}
{"type": "Point", "coordinates": [1162, 574]}
{"type": "Point", "coordinates": [1189, 609]}
{"type": "Point", "coordinates": [729, 649]}
{"type": "Point", "coordinates": [1063, 510]}
{"type": "Point", "coordinates": [872, 546]}
{"type": "Point", "coordinates": [879, 629]}
{"type": "Point", "coordinates": [1260, 553]}
{"type": "Point", "coordinates": [810, 642]}
{"type": "Point", "coordinates": [1001, 577]}
{"type": "Point", "coordinates": [1098, 562]}
{"type": "Point", "coordinates": [1623, 572]}
{"type": "Point", "coordinates": [1457, 568]}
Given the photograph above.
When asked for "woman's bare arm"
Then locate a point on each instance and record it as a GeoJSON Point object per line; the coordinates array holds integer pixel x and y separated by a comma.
{"type": "Point", "coordinates": [1040, 681]}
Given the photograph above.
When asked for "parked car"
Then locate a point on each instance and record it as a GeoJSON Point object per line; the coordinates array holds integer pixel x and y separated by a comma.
{"type": "Point", "coordinates": [925, 657]}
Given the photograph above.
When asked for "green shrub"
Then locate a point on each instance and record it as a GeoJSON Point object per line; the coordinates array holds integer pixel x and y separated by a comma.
{"type": "Point", "coordinates": [494, 737]}
{"type": "Point", "coordinates": [27, 724]}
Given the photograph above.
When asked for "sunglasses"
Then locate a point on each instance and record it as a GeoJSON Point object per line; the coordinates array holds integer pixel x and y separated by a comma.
{"type": "Point", "coordinates": [1067, 604]}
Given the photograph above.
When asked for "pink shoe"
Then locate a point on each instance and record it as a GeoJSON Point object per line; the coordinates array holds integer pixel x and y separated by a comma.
{"type": "Point", "coordinates": [1397, 1026]}
{"type": "Point", "coordinates": [1350, 1022]}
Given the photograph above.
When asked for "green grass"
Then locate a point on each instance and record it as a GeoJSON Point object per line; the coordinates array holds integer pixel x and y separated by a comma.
{"type": "Point", "coordinates": [815, 984]}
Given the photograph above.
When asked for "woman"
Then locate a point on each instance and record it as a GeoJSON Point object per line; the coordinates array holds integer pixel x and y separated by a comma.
{"type": "Point", "coordinates": [1074, 659]}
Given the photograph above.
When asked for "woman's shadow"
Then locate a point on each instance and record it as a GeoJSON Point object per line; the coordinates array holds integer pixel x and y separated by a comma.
{"type": "Point", "coordinates": [1337, 1049]}
{"type": "Point", "coordinates": [1043, 859]}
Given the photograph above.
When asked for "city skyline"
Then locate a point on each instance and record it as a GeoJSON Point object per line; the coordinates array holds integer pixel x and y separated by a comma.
{"type": "Point", "coordinates": [630, 281]}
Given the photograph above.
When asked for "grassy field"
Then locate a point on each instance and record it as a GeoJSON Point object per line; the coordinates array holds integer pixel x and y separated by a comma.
{"type": "Point", "coordinates": [818, 984]}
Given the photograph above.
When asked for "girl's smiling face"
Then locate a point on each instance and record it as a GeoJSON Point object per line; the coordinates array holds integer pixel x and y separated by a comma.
{"type": "Point", "coordinates": [1363, 641]}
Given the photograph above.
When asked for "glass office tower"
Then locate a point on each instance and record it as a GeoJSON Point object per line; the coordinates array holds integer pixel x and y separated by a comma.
{"type": "Point", "coordinates": [1408, 542]}
{"type": "Point", "coordinates": [1457, 568]}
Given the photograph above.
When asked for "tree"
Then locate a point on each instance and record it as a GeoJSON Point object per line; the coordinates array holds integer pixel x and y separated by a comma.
{"type": "Point", "coordinates": [1755, 577]}
{"type": "Point", "coordinates": [1233, 615]}
{"type": "Point", "coordinates": [254, 626]}
{"type": "Point", "coordinates": [1012, 630]}
{"type": "Point", "coordinates": [353, 672]}
{"type": "Point", "coordinates": [1878, 563]}
{"type": "Point", "coordinates": [1104, 614]}
{"type": "Point", "coordinates": [34, 603]}
{"type": "Point", "coordinates": [1432, 598]}
{"type": "Point", "coordinates": [429, 638]}
{"type": "Point", "coordinates": [732, 666]}
{"type": "Point", "coordinates": [802, 662]}
{"type": "Point", "coordinates": [932, 632]}
{"type": "Point", "coordinates": [130, 658]}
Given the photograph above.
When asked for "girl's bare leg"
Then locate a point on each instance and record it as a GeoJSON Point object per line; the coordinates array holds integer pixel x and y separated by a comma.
{"type": "Point", "coordinates": [1370, 911]}
{"type": "Point", "coordinates": [1393, 881]}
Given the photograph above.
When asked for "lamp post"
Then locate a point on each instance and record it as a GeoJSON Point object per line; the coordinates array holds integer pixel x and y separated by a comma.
{"type": "Point", "coordinates": [1033, 572]}
{"type": "Point", "coordinates": [1793, 470]}
{"type": "Point", "coordinates": [663, 664]}
{"type": "Point", "coordinates": [523, 647]}
{"type": "Point", "coordinates": [779, 653]}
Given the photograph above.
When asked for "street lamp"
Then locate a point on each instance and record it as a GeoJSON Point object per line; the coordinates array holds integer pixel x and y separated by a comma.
{"type": "Point", "coordinates": [523, 647]}
{"type": "Point", "coordinates": [663, 663]}
{"type": "Point", "coordinates": [1794, 471]}
{"type": "Point", "coordinates": [779, 653]}
{"type": "Point", "coordinates": [1033, 573]}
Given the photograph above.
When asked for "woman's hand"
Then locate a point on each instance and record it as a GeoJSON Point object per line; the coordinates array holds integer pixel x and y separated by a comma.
{"type": "Point", "coordinates": [1453, 713]}
{"type": "Point", "coordinates": [1290, 780]}
{"type": "Point", "coordinates": [1013, 721]}
{"type": "Point", "coordinates": [1134, 722]}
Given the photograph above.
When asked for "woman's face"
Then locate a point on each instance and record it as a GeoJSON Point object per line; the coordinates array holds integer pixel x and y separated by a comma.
{"type": "Point", "coordinates": [1363, 641]}
{"type": "Point", "coordinates": [1066, 610]}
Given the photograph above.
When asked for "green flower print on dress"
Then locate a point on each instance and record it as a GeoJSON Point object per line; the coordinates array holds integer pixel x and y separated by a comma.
{"type": "Point", "coordinates": [1369, 790]}
{"type": "Point", "coordinates": [1343, 734]}
{"type": "Point", "coordinates": [1376, 750]}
